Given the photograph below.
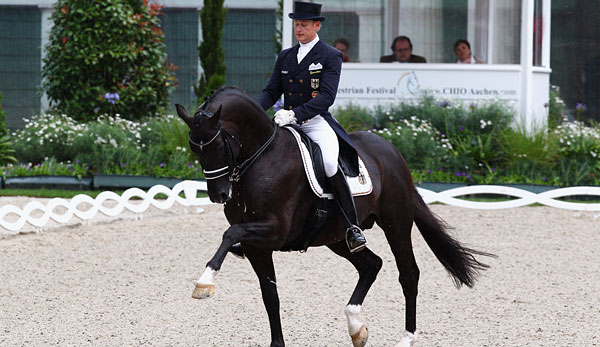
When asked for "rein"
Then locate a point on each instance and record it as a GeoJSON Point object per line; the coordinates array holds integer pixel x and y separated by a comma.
{"type": "Point", "coordinates": [237, 171]}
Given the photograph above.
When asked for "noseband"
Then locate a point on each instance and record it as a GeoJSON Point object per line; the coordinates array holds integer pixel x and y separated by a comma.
{"type": "Point", "coordinates": [235, 171]}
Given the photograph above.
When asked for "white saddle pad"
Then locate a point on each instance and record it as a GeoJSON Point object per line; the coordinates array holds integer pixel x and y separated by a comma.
{"type": "Point", "coordinates": [359, 185]}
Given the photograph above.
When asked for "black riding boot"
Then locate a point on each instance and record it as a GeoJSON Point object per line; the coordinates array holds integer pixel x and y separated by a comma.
{"type": "Point", "coordinates": [354, 237]}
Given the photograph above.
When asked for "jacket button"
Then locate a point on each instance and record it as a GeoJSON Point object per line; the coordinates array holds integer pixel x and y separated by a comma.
{"type": "Point", "coordinates": [301, 81]}
{"type": "Point", "coordinates": [291, 80]}
{"type": "Point", "coordinates": [290, 94]}
{"type": "Point", "coordinates": [300, 94]}
{"type": "Point", "coordinates": [290, 107]}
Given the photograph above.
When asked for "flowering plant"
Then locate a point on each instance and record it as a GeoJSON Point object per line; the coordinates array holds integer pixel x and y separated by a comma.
{"type": "Point", "coordinates": [106, 57]}
{"type": "Point", "coordinates": [110, 145]}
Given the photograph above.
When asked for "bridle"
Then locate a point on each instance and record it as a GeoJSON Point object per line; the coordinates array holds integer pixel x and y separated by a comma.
{"type": "Point", "coordinates": [234, 171]}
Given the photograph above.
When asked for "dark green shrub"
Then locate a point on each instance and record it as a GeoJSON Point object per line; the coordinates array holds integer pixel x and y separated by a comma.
{"type": "Point", "coordinates": [555, 108]}
{"type": "Point", "coordinates": [3, 130]}
{"type": "Point", "coordinates": [107, 57]}
{"type": "Point", "coordinates": [6, 148]}
{"type": "Point", "coordinates": [210, 51]}
{"type": "Point", "coordinates": [354, 118]}
{"type": "Point", "coordinates": [110, 145]}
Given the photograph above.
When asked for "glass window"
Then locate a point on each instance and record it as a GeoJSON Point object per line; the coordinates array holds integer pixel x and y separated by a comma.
{"type": "Point", "coordinates": [361, 22]}
{"type": "Point", "coordinates": [491, 27]}
{"type": "Point", "coordinates": [20, 62]}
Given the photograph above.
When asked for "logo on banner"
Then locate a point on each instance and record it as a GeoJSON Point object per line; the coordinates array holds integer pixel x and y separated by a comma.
{"type": "Point", "coordinates": [412, 82]}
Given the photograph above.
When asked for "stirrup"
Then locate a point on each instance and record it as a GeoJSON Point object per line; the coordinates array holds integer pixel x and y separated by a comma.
{"type": "Point", "coordinates": [353, 229]}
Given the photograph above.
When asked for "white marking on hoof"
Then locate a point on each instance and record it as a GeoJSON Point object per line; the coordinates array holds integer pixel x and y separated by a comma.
{"type": "Point", "coordinates": [360, 338]}
{"type": "Point", "coordinates": [408, 340]}
{"type": "Point", "coordinates": [207, 276]}
{"type": "Point", "coordinates": [352, 314]}
{"type": "Point", "coordinates": [205, 287]}
{"type": "Point", "coordinates": [357, 330]}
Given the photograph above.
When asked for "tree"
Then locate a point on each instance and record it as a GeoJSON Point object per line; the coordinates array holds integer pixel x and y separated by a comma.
{"type": "Point", "coordinates": [107, 57]}
{"type": "Point", "coordinates": [210, 51]}
{"type": "Point", "coordinates": [6, 150]}
{"type": "Point", "coordinates": [3, 130]}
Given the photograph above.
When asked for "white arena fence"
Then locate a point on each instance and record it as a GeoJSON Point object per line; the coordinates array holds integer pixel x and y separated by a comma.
{"type": "Point", "coordinates": [138, 201]}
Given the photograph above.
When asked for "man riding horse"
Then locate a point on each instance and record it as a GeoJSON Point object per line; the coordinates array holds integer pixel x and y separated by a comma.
{"type": "Point", "coordinates": [308, 75]}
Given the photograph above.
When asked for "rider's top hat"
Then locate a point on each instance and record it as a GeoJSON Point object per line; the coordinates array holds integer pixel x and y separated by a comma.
{"type": "Point", "coordinates": [306, 10]}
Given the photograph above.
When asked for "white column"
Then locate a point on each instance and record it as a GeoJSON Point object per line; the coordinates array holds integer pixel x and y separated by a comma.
{"type": "Point", "coordinates": [45, 39]}
{"type": "Point", "coordinates": [490, 32]}
{"type": "Point", "coordinates": [286, 32]}
{"type": "Point", "coordinates": [546, 14]}
{"type": "Point", "coordinates": [527, 64]}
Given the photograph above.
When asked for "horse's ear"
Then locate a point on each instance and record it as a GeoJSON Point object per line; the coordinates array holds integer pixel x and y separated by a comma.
{"type": "Point", "coordinates": [182, 113]}
{"type": "Point", "coordinates": [218, 113]}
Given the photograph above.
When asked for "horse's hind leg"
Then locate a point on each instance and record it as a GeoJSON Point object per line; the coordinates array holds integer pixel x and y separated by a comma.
{"type": "Point", "coordinates": [398, 233]}
{"type": "Point", "coordinates": [368, 265]}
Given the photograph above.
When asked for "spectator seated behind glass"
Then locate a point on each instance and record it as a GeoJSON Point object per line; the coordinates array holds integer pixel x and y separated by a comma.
{"type": "Point", "coordinates": [402, 48]}
{"type": "Point", "coordinates": [462, 49]}
{"type": "Point", "coordinates": [343, 46]}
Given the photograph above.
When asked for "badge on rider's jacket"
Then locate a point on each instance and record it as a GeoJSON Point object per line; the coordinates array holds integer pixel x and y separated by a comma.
{"type": "Point", "coordinates": [314, 83]}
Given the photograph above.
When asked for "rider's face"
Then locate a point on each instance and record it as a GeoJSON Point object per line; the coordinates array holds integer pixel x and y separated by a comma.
{"type": "Point", "coordinates": [306, 30]}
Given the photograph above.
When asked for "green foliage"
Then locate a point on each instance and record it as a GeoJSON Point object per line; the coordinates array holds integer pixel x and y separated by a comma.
{"type": "Point", "coordinates": [48, 167]}
{"type": "Point", "coordinates": [441, 143]}
{"type": "Point", "coordinates": [555, 108]}
{"type": "Point", "coordinates": [277, 38]}
{"type": "Point", "coordinates": [354, 118]}
{"type": "Point", "coordinates": [416, 137]}
{"type": "Point", "coordinates": [527, 154]}
{"type": "Point", "coordinates": [6, 151]}
{"type": "Point", "coordinates": [6, 148]}
{"type": "Point", "coordinates": [47, 136]}
{"type": "Point", "coordinates": [110, 145]}
{"type": "Point", "coordinates": [579, 151]}
{"type": "Point", "coordinates": [210, 51]}
{"type": "Point", "coordinates": [107, 58]}
{"type": "Point", "coordinates": [3, 130]}
{"type": "Point", "coordinates": [480, 144]}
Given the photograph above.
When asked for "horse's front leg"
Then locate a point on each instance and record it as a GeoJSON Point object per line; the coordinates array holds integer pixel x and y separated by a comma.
{"type": "Point", "coordinates": [262, 263]}
{"type": "Point", "coordinates": [205, 286]}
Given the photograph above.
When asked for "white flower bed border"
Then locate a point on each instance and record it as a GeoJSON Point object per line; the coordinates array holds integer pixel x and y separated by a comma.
{"type": "Point", "coordinates": [191, 188]}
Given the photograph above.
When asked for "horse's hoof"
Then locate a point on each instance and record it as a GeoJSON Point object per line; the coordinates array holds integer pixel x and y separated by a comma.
{"type": "Point", "coordinates": [408, 340]}
{"type": "Point", "coordinates": [360, 338]}
{"type": "Point", "coordinates": [203, 291]}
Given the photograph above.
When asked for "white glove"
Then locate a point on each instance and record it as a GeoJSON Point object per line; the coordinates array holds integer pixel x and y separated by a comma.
{"type": "Point", "coordinates": [284, 117]}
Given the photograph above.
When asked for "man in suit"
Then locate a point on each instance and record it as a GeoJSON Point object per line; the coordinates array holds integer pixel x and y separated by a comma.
{"type": "Point", "coordinates": [308, 75]}
{"type": "Point", "coordinates": [402, 48]}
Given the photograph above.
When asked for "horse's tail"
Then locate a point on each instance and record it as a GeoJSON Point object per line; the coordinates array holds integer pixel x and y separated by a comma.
{"type": "Point", "coordinates": [458, 260]}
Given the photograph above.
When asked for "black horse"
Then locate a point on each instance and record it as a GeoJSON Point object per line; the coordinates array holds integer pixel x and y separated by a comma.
{"type": "Point", "coordinates": [255, 170]}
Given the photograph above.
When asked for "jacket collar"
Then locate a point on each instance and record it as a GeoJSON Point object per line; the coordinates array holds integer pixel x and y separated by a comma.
{"type": "Point", "coordinates": [311, 57]}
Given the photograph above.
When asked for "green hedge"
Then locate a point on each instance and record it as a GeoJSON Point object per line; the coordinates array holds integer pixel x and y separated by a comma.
{"type": "Point", "coordinates": [481, 144]}
{"type": "Point", "coordinates": [59, 145]}
{"type": "Point", "coordinates": [107, 57]}
{"type": "Point", "coordinates": [442, 142]}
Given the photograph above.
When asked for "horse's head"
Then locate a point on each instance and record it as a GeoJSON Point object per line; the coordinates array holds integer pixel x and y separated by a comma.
{"type": "Point", "coordinates": [214, 148]}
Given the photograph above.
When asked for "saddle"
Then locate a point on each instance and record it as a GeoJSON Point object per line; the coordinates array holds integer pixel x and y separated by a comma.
{"type": "Point", "coordinates": [312, 159]}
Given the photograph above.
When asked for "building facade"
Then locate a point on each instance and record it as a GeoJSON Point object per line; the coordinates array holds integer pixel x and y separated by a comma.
{"type": "Point", "coordinates": [512, 36]}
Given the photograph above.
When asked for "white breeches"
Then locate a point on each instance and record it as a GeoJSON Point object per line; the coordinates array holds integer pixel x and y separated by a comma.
{"type": "Point", "coordinates": [319, 131]}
